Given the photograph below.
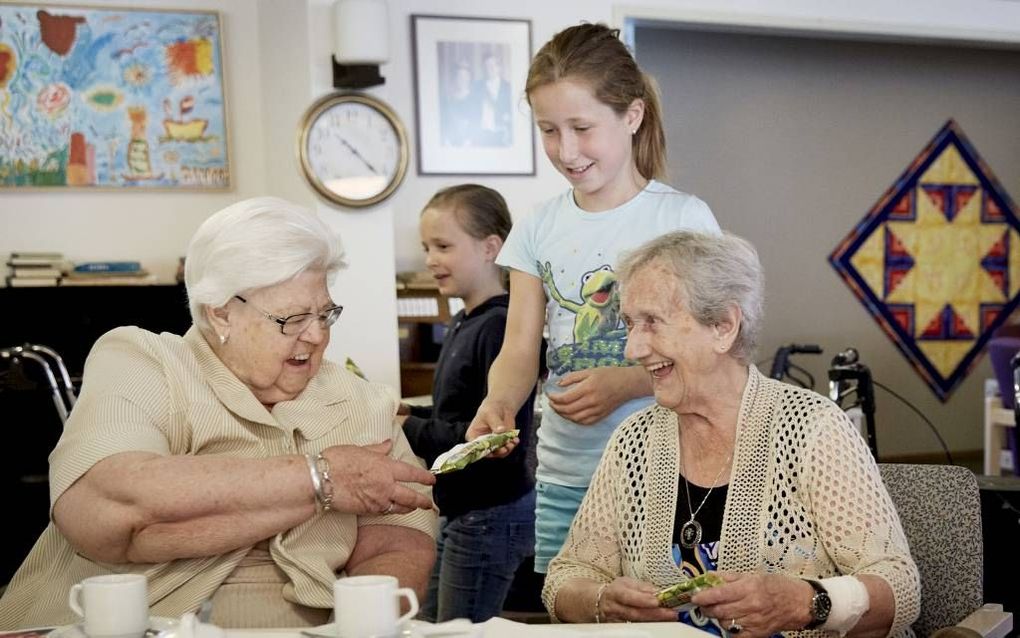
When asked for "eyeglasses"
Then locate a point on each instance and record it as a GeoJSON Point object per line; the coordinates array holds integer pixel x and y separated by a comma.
{"type": "Point", "coordinates": [294, 325]}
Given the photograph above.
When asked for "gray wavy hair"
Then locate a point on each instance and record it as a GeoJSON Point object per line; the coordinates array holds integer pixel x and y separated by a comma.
{"type": "Point", "coordinates": [712, 273]}
{"type": "Point", "coordinates": [255, 243]}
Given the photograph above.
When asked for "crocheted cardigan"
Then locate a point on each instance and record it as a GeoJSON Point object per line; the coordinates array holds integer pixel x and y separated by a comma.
{"type": "Point", "coordinates": [805, 498]}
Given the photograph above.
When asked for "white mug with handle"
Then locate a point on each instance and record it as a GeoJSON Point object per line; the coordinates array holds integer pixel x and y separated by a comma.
{"type": "Point", "coordinates": [369, 606]}
{"type": "Point", "coordinates": [112, 606]}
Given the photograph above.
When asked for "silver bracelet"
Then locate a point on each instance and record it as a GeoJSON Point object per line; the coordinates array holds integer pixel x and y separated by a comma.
{"type": "Point", "coordinates": [316, 479]}
{"type": "Point", "coordinates": [598, 602]}
{"type": "Point", "coordinates": [322, 466]}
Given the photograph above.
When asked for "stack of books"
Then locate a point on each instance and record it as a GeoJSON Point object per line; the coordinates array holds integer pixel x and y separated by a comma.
{"type": "Point", "coordinates": [108, 273]}
{"type": "Point", "coordinates": [32, 269]}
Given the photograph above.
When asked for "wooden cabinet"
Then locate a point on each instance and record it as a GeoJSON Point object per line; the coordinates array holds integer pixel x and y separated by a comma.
{"type": "Point", "coordinates": [423, 314]}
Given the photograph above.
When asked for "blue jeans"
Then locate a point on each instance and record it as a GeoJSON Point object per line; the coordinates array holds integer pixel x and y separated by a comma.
{"type": "Point", "coordinates": [476, 557]}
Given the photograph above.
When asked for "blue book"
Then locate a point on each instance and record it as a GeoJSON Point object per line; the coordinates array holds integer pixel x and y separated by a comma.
{"type": "Point", "coordinates": [108, 266]}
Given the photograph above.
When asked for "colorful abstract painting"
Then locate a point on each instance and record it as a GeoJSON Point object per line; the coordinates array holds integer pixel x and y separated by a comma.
{"type": "Point", "coordinates": [111, 98]}
{"type": "Point", "coordinates": [937, 260]}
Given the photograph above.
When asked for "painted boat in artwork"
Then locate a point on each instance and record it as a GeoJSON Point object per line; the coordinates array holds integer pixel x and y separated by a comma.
{"type": "Point", "coordinates": [186, 131]}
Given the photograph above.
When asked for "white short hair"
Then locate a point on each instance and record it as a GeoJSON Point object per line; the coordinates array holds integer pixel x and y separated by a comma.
{"type": "Point", "coordinates": [255, 243]}
{"type": "Point", "coordinates": [712, 272]}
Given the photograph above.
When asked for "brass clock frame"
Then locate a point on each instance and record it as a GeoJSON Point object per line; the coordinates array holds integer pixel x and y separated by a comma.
{"type": "Point", "coordinates": [308, 121]}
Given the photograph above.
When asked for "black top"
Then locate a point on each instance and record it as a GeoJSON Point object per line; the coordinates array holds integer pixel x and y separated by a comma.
{"type": "Point", "coordinates": [709, 516]}
{"type": "Point", "coordinates": [461, 382]}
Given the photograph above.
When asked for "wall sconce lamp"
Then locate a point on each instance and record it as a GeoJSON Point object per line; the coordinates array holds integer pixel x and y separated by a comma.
{"type": "Point", "coordinates": [360, 43]}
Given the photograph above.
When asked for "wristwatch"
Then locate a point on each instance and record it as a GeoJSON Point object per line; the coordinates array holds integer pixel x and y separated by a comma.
{"type": "Point", "coordinates": [821, 605]}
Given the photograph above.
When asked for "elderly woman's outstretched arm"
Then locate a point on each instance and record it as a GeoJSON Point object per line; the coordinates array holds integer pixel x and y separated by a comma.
{"type": "Point", "coordinates": [125, 488]}
{"type": "Point", "coordinates": [140, 507]}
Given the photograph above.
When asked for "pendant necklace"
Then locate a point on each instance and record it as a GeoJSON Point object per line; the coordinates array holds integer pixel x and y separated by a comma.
{"type": "Point", "coordinates": [690, 532]}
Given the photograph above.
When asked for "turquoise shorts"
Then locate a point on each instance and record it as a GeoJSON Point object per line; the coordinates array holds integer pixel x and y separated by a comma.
{"type": "Point", "coordinates": [555, 507]}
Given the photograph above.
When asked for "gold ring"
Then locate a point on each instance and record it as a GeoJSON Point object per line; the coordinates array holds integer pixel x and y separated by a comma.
{"type": "Point", "coordinates": [735, 627]}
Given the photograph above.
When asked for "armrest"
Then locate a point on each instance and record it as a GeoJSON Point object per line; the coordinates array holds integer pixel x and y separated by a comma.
{"type": "Point", "coordinates": [990, 621]}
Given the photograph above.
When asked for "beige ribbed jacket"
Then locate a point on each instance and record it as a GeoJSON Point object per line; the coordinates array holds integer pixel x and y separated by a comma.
{"type": "Point", "coordinates": [172, 395]}
{"type": "Point", "coordinates": [805, 498]}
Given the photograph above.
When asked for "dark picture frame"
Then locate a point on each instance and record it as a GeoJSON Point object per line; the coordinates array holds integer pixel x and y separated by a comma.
{"type": "Point", "coordinates": [471, 117]}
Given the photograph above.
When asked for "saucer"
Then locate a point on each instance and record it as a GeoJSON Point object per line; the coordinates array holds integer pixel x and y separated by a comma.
{"type": "Point", "coordinates": [460, 628]}
{"type": "Point", "coordinates": [157, 625]}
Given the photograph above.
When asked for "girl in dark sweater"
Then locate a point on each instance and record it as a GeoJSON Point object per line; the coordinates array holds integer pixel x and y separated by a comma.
{"type": "Point", "coordinates": [487, 524]}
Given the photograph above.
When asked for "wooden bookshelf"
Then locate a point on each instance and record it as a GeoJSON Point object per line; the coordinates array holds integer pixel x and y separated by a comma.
{"type": "Point", "coordinates": [422, 314]}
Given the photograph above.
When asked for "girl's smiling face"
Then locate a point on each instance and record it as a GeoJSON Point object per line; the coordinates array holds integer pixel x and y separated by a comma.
{"type": "Point", "coordinates": [588, 142]}
{"type": "Point", "coordinates": [462, 265]}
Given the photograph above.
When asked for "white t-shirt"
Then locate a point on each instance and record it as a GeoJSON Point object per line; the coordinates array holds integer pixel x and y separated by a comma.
{"type": "Point", "coordinates": [576, 252]}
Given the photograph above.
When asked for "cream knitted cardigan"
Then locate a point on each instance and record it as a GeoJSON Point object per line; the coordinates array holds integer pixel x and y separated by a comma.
{"type": "Point", "coordinates": [805, 498]}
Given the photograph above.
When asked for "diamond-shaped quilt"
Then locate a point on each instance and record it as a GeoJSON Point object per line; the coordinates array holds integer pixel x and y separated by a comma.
{"type": "Point", "coordinates": [937, 260]}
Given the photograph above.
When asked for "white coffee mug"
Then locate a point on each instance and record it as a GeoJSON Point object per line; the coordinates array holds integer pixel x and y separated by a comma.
{"type": "Point", "coordinates": [369, 606]}
{"type": "Point", "coordinates": [113, 606]}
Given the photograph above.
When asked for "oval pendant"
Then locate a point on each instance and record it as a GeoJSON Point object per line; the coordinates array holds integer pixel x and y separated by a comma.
{"type": "Point", "coordinates": [690, 534]}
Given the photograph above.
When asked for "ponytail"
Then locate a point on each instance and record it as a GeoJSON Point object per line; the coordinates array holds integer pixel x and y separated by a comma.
{"type": "Point", "coordinates": [650, 139]}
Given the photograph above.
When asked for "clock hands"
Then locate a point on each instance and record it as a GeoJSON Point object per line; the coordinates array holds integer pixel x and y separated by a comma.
{"type": "Point", "coordinates": [355, 152]}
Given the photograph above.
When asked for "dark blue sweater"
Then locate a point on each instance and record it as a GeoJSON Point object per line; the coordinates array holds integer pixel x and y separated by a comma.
{"type": "Point", "coordinates": [461, 382]}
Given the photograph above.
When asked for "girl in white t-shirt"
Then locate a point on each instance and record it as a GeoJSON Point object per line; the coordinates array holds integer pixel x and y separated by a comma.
{"type": "Point", "coordinates": [601, 127]}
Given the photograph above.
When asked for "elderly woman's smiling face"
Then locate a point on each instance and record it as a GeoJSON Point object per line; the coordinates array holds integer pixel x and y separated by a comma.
{"type": "Point", "coordinates": [676, 350]}
{"type": "Point", "coordinates": [274, 366]}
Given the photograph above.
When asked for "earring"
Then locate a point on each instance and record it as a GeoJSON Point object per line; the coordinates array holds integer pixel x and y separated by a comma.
{"type": "Point", "coordinates": [223, 339]}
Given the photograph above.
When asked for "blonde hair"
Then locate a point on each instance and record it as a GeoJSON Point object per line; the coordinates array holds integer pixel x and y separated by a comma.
{"type": "Point", "coordinates": [594, 53]}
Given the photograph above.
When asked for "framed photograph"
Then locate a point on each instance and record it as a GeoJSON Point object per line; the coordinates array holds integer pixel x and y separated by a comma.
{"type": "Point", "coordinates": [111, 98]}
{"type": "Point", "coordinates": [469, 75]}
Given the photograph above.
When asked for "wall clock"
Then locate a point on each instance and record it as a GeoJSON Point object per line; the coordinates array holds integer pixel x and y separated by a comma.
{"type": "Point", "coordinates": [353, 149]}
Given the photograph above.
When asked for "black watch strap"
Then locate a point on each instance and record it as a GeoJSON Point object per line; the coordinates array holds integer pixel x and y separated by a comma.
{"type": "Point", "coordinates": [821, 605]}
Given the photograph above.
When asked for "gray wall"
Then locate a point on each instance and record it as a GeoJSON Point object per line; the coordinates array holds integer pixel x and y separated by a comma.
{"type": "Point", "coordinates": [792, 140]}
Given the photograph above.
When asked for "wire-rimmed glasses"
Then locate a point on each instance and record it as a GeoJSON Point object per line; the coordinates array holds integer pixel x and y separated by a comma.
{"type": "Point", "coordinates": [294, 325]}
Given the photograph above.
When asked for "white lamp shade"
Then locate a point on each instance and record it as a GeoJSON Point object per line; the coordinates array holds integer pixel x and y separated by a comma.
{"type": "Point", "coordinates": [361, 32]}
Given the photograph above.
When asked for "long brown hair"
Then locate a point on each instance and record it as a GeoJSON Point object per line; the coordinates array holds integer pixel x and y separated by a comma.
{"type": "Point", "coordinates": [595, 54]}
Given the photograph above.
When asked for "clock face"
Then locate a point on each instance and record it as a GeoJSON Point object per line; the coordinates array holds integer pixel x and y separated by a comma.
{"type": "Point", "coordinates": [353, 149]}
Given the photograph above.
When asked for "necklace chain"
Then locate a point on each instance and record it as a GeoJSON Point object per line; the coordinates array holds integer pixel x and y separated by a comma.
{"type": "Point", "coordinates": [687, 487]}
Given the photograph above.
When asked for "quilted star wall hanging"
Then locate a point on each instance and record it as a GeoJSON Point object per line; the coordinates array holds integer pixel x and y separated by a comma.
{"type": "Point", "coordinates": [937, 260]}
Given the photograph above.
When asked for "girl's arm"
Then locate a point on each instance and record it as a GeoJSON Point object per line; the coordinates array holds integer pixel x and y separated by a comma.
{"type": "Point", "coordinates": [589, 396]}
{"type": "Point", "coordinates": [514, 373]}
{"type": "Point", "coordinates": [429, 435]}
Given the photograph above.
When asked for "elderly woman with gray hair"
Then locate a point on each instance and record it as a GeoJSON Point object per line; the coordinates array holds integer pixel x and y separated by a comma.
{"type": "Point", "coordinates": [234, 463]}
{"type": "Point", "coordinates": [767, 484]}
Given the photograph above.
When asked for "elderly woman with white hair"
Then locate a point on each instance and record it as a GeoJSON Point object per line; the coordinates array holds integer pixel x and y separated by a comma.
{"type": "Point", "coordinates": [767, 484]}
{"type": "Point", "coordinates": [233, 464]}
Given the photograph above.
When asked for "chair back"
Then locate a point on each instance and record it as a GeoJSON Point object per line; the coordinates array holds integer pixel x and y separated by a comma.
{"type": "Point", "coordinates": [940, 509]}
